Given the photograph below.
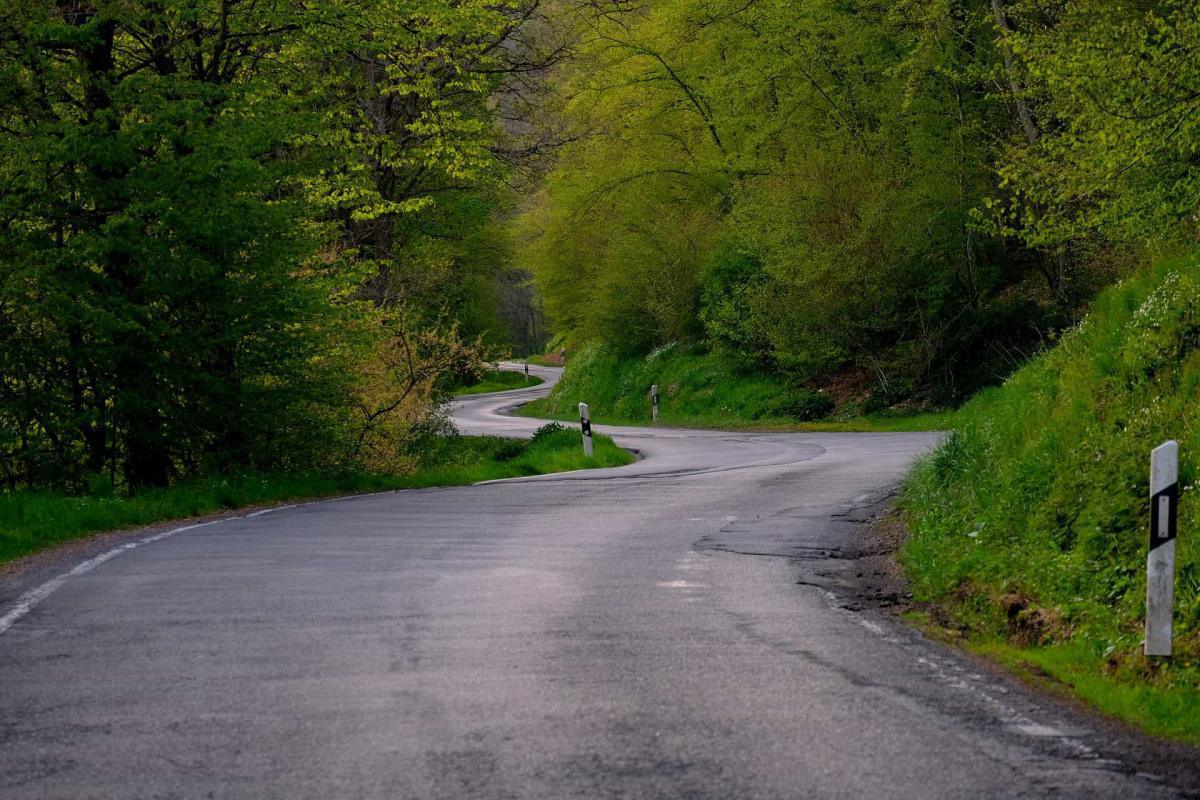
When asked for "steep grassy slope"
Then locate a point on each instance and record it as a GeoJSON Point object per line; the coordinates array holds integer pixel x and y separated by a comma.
{"type": "Point", "coordinates": [1029, 524]}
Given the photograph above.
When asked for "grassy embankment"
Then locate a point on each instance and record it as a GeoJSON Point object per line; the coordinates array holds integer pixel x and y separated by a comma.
{"type": "Point", "coordinates": [704, 390]}
{"type": "Point", "coordinates": [546, 359]}
{"type": "Point", "coordinates": [498, 381]}
{"type": "Point", "coordinates": [32, 521]}
{"type": "Point", "coordinates": [1029, 524]}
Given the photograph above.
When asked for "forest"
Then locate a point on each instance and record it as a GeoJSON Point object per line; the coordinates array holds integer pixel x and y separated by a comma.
{"type": "Point", "coordinates": [246, 234]}
{"type": "Point", "coordinates": [273, 235]}
{"type": "Point", "coordinates": [905, 200]}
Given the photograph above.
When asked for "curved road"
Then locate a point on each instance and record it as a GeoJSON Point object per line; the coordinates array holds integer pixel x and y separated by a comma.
{"type": "Point", "coordinates": [600, 634]}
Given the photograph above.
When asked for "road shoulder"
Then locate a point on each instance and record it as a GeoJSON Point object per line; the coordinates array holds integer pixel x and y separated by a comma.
{"type": "Point", "coordinates": [870, 581]}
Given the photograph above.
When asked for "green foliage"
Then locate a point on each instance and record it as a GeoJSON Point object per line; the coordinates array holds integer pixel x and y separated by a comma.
{"type": "Point", "coordinates": [920, 189]}
{"type": "Point", "coordinates": [223, 229]}
{"type": "Point", "coordinates": [695, 387]}
{"type": "Point", "coordinates": [793, 182]}
{"type": "Point", "coordinates": [151, 315]}
{"type": "Point", "coordinates": [31, 521]}
{"type": "Point", "coordinates": [1162, 707]}
{"type": "Point", "coordinates": [548, 430]}
{"type": "Point", "coordinates": [1113, 88]}
{"type": "Point", "coordinates": [708, 389]}
{"type": "Point", "coordinates": [802, 404]}
{"type": "Point", "coordinates": [1041, 491]}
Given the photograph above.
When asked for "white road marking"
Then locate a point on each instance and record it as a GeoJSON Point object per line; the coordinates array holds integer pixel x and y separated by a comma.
{"type": "Point", "coordinates": [272, 510]}
{"type": "Point", "coordinates": [30, 599]}
{"type": "Point", "coordinates": [1037, 729]}
{"type": "Point", "coordinates": [1013, 719]}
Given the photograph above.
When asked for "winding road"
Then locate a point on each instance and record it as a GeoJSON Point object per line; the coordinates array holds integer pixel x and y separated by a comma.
{"type": "Point", "coordinates": [677, 628]}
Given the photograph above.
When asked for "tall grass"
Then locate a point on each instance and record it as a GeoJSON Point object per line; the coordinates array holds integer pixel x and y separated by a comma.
{"type": "Point", "coordinates": [1029, 524]}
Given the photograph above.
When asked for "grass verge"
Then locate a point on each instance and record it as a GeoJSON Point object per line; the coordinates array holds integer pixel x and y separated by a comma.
{"type": "Point", "coordinates": [1076, 671]}
{"type": "Point", "coordinates": [869, 423]}
{"type": "Point", "coordinates": [498, 381]}
{"type": "Point", "coordinates": [1028, 526]}
{"type": "Point", "coordinates": [33, 521]}
{"type": "Point", "coordinates": [700, 389]}
{"type": "Point", "coordinates": [1159, 709]}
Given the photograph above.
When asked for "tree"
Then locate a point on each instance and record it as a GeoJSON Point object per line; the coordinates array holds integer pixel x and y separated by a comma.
{"type": "Point", "coordinates": [200, 215]}
{"type": "Point", "coordinates": [805, 179]}
{"type": "Point", "coordinates": [1118, 87]}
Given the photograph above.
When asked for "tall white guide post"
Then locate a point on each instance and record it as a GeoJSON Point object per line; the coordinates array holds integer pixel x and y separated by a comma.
{"type": "Point", "coordinates": [585, 422]}
{"type": "Point", "coordinates": [1160, 559]}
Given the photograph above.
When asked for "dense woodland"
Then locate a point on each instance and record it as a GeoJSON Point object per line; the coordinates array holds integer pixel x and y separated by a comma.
{"type": "Point", "coordinates": [245, 233]}
{"type": "Point", "coordinates": [260, 234]}
{"type": "Point", "coordinates": [907, 196]}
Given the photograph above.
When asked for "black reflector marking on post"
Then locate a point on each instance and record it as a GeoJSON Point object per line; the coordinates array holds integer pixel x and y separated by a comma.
{"type": "Point", "coordinates": [1164, 508]}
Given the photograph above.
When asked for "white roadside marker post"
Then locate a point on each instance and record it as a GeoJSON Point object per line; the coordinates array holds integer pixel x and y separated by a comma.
{"type": "Point", "coordinates": [654, 402]}
{"type": "Point", "coordinates": [585, 422]}
{"type": "Point", "coordinates": [527, 372]}
{"type": "Point", "coordinates": [1160, 559]}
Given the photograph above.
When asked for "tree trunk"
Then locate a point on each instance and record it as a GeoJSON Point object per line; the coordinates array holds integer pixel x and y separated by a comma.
{"type": "Point", "coordinates": [1028, 125]}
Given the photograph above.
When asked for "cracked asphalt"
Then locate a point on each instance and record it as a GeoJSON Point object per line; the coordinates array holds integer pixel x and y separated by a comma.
{"type": "Point", "coordinates": [602, 634]}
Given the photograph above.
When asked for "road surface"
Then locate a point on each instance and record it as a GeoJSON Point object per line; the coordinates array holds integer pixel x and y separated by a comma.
{"type": "Point", "coordinates": [599, 634]}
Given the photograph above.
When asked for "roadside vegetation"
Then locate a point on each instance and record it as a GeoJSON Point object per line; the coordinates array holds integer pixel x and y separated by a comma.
{"type": "Point", "coordinates": [1029, 524]}
{"type": "Point", "coordinates": [702, 388]}
{"type": "Point", "coordinates": [31, 521]}
{"type": "Point", "coordinates": [894, 204]}
{"type": "Point", "coordinates": [497, 381]}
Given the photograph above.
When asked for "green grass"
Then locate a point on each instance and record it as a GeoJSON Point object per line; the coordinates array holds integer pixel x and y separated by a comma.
{"type": "Point", "coordinates": [1157, 705]}
{"type": "Point", "coordinates": [1028, 525]}
{"type": "Point", "coordinates": [498, 381]}
{"type": "Point", "coordinates": [33, 521]}
{"type": "Point", "coordinates": [701, 390]}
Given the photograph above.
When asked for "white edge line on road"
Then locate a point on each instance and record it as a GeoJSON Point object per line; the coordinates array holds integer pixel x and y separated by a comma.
{"type": "Point", "coordinates": [30, 599]}
{"type": "Point", "coordinates": [1014, 720]}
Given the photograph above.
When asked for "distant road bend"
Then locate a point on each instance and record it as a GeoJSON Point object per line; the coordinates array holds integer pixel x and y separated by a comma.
{"type": "Point", "coordinates": [600, 634]}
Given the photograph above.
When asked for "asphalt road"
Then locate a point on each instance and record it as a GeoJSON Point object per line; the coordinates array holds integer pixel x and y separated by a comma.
{"type": "Point", "coordinates": [592, 635]}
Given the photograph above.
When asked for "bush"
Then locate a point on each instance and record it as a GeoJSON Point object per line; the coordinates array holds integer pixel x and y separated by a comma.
{"type": "Point", "coordinates": [508, 449]}
{"type": "Point", "coordinates": [803, 404]}
{"type": "Point", "coordinates": [694, 385]}
{"type": "Point", "coordinates": [547, 431]}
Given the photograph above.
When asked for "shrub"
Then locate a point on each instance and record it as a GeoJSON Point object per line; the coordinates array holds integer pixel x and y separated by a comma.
{"type": "Point", "coordinates": [803, 404]}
